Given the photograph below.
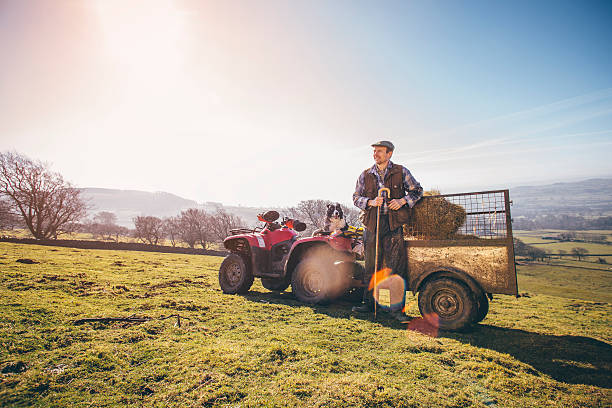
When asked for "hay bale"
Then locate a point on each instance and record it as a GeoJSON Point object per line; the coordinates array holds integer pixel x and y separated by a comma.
{"type": "Point", "coordinates": [434, 218]}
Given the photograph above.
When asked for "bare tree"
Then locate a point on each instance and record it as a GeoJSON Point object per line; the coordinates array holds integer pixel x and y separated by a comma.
{"type": "Point", "coordinates": [579, 252]}
{"type": "Point", "coordinates": [120, 231]}
{"type": "Point", "coordinates": [148, 229]}
{"type": "Point", "coordinates": [48, 204]}
{"type": "Point", "coordinates": [193, 227]}
{"type": "Point", "coordinates": [172, 229]}
{"type": "Point", "coordinates": [534, 253]}
{"type": "Point", "coordinates": [104, 225]}
{"type": "Point", "coordinates": [8, 218]}
{"type": "Point", "coordinates": [352, 216]}
{"type": "Point", "coordinates": [105, 218]}
{"type": "Point", "coordinates": [313, 211]}
{"type": "Point", "coordinates": [222, 222]}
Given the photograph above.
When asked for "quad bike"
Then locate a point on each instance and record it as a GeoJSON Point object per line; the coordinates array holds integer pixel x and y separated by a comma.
{"type": "Point", "coordinates": [319, 269]}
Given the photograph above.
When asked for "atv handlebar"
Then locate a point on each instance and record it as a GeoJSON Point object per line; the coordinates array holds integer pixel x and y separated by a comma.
{"type": "Point", "coordinates": [269, 218]}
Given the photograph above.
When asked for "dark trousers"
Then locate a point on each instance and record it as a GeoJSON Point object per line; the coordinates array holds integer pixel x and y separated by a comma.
{"type": "Point", "coordinates": [391, 250]}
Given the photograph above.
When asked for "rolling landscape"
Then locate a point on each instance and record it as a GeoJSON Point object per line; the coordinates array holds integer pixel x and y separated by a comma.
{"type": "Point", "coordinates": [587, 198]}
{"type": "Point", "coordinates": [169, 234]}
{"type": "Point", "coordinates": [163, 333]}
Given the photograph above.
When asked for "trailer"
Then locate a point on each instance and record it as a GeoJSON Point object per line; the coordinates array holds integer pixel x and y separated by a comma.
{"type": "Point", "coordinates": [456, 269]}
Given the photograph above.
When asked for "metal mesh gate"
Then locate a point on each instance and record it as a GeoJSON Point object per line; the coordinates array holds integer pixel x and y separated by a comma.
{"type": "Point", "coordinates": [480, 215]}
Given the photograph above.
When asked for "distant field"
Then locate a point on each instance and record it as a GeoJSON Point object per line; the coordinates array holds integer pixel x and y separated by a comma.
{"type": "Point", "coordinates": [564, 282]}
{"type": "Point", "coordinates": [266, 349]}
{"type": "Point", "coordinates": [553, 247]}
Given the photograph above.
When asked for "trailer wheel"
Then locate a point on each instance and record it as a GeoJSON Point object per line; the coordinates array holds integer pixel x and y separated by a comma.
{"type": "Point", "coordinates": [447, 304]}
{"type": "Point", "coordinates": [482, 308]}
{"type": "Point", "coordinates": [234, 277]}
{"type": "Point", "coordinates": [275, 285]}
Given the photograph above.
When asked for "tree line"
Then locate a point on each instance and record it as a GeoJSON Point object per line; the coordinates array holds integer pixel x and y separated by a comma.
{"type": "Point", "coordinates": [563, 222]}
{"type": "Point", "coordinates": [193, 227]}
{"type": "Point", "coordinates": [34, 197]}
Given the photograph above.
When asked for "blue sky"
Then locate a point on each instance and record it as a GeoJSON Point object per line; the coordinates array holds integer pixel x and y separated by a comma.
{"type": "Point", "coordinates": [272, 102]}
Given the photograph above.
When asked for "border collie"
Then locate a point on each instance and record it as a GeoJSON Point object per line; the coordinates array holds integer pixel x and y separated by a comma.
{"type": "Point", "coordinates": [334, 220]}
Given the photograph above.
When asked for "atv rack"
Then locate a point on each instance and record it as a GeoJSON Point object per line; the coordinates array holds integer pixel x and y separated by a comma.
{"type": "Point", "coordinates": [237, 231]}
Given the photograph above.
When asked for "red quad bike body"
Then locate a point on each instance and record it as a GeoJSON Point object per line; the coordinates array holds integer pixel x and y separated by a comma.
{"type": "Point", "coordinates": [319, 269]}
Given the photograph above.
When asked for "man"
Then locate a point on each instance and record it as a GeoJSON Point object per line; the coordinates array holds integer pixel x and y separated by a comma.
{"type": "Point", "coordinates": [405, 192]}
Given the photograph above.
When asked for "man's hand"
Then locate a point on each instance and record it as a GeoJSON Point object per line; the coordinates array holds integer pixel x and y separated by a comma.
{"type": "Point", "coordinates": [396, 204]}
{"type": "Point", "coordinates": [377, 202]}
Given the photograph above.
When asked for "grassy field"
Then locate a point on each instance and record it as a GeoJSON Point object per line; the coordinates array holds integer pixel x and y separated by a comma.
{"type": "Point", "coordinates": [84, 236]}
{"type": "Point", "coordinates": [553, 247]}
{"type": "Point", "coordinates": [266, 349]}
{"type": "Point", "coordinates": [572, 283]}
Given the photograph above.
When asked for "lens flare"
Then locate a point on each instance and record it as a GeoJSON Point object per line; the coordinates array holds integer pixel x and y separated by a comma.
{"type": "Point", "coordinates": [427, 324]}
{"type": "Point", "coordinates": [389, 290]}
{"type": "Point", "coordinates": [379, 277]}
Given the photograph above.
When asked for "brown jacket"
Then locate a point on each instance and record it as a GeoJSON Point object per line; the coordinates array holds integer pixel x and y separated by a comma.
{"type": "Point", "coordinates": [394, 181]}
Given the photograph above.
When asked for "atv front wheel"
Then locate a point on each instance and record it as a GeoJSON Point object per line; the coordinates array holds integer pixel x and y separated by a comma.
{"type": "Point", "coordinates": [234, 277]}
{"type": "Point", "coordinates": [308, 282]}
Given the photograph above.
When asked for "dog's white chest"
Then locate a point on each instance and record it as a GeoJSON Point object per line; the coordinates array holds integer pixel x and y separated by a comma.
{"type": "Point", "coordinates": [336, 224]}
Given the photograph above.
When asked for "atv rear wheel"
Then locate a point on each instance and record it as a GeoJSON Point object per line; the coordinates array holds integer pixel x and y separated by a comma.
{"type": "Point", "coordinates": [447, 304]}
{"type": "Point", "coordinates": [234, 276]}
{"type": "Point", "coordinates": [275, 285]}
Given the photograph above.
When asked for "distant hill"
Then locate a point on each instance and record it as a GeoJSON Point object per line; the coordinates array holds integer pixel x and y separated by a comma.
{"type": "Point", "coordinates": [127, 204]}
{"type": "Point", "coordinates": [591, 197]}
{"type": "Point", "coordinates": [587, 198]}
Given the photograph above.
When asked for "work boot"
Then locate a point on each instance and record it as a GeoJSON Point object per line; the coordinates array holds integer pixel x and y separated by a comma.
{"type": "Point", "coordinates": [367, 303]}
{"type": "Point", "coordinates": [364, 307]}
{"type": "Point", "coordinates": [400, 316]}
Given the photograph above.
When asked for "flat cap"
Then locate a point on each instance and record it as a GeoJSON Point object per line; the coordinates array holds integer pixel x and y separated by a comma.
{"type": "Point", "coordinates": [385, 143]}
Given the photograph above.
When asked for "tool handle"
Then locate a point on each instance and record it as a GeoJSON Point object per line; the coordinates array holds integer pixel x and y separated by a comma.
{"type": "Point", "coordinates": [382, 190]}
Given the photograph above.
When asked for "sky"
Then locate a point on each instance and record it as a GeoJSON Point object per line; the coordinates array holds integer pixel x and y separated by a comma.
{"type": "Point", "coordinates": [266, 103]}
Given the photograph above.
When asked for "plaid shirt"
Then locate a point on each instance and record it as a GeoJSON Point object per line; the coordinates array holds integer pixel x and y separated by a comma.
{"type": "Point", "coordinates": [413, 189]}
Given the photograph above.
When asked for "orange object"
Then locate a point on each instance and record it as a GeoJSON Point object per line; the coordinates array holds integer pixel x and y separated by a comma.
{"type": "Point", "coordinates": [378, 277]}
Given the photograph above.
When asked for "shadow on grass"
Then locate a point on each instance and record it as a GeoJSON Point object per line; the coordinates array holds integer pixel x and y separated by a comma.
{"type": "Point", "coordinates": [569, 359]}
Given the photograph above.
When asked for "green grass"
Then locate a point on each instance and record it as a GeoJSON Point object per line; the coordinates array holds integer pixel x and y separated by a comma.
{"type": "Point", "coordinates": [553, 247]}
{"type": "Point", "coordinates": [85, 236]}
{"type": "Point", "coordinates": [566, 282]}
{"type": "Point", "coordinates": [266, 349]}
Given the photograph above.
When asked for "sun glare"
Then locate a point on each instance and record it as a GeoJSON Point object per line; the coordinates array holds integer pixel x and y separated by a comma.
{"type": "Point", "coordinates": [146, 38]}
